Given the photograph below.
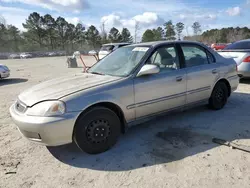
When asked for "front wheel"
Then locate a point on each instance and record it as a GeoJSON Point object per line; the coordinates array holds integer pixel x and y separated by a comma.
{"type": "Point", "coordinates": [219, 96]}
{"type": "Point", "coordinates": [97, 130]}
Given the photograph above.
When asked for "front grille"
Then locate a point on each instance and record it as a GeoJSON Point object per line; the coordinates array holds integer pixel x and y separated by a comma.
{"type": "Point", "coordinates": [20, 107]}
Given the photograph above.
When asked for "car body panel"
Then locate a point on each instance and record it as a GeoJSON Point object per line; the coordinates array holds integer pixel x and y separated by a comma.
{"type": "Point", "coordinates": [4, 71]}
{"type": "Point", "coordinates": [59, 87]}
{"type": "Point", "coordinates": [159, 92]}
{"type": "Point", "coordinates": [138, 98]}
{"type": "Point", "coordinates": [43, 129]}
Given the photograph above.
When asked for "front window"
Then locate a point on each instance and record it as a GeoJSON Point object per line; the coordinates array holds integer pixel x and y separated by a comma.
{"type": "Point", "coordinates": [121, 62]}
{"type": "Point", "coordinates": [165, 58]}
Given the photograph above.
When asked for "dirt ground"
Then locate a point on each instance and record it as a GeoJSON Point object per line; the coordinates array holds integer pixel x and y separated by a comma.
{"type": "Point", "coordinates": [174, 151]}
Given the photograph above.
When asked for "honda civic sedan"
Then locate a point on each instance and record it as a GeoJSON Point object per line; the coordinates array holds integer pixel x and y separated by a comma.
{"type": "Point", "coordinates": [129, 86]}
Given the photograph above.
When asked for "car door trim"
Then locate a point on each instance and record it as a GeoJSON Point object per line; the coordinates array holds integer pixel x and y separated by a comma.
{"type": "Point", "coordinates": [145, 103]}
{"type": "Point", "coordinates": [134, 122]}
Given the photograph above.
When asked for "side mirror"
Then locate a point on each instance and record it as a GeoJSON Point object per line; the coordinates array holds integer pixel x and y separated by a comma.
{"type": "Point", "coordinates": [148, 69]}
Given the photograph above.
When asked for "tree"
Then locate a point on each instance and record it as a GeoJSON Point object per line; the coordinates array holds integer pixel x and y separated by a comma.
{"type": "Point", "coordinates": [148, 36]}
{"type": "Point", "coordinates": [179, 28]}
{"type": "Point", "coordinates": [13, 34]}
{"type": "Point", "coordinates": [114, 35]}
{"type": "Point", "coordinates": [49, 25]}
{"type": "Point", "coordinates": [158, 34]}
{"type": "Point", "coordinates": [170, 32]}
{"type": "Point", "coordinates": [61, 30]}
{"type": "Point", "coordinates": [126, 36]}
{"type": "Point", "coordinates": [93, 37]}
{"type": "Point", "coordinates": [34, 26]}
{"type": "Point", "coordinates": [196, 28]}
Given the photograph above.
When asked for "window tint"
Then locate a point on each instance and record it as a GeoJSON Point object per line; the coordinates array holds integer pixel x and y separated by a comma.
{"type": "Point", "coordinates": [194, 56]}
{"type": "Point", "coordinates": [239, 45]}
{"type": "Point", "coordinates": [166, 58]}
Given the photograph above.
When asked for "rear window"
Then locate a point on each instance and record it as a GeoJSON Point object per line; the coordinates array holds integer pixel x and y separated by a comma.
{"type": "Point", "coordinates": [107, 48]}
{"type": "Point", "coordinates": [239, 45]}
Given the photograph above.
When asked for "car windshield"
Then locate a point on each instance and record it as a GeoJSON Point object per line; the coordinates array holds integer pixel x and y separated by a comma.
{"type": "Point", "coordinates": [120, 62]}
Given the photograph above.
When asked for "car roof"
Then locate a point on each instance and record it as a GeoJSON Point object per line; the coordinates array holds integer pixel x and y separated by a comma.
{"type": "Point", "coordinates": [115, 44]}
{"type": "Point", "coordinates": [157, 43]}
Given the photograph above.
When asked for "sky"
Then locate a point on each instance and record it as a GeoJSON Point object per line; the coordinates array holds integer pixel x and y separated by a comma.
{"type": "Point", "coordinates": [124, 13]}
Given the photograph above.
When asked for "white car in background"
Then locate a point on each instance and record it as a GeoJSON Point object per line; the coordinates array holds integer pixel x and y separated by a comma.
{"type": "Point", "coordinates": [25, 55]}
{"type": "Point", "coordinates": [108, 48]}
{"type": "Point", "coordinates": [4, 71]}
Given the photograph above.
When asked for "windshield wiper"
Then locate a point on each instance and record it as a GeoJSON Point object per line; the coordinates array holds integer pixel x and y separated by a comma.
{"type": "Point", "coordinates": [98, 73]}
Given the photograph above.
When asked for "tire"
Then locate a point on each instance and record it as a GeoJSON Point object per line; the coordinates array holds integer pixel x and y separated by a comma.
{"type": "Point", "coordinates": [219, 96]}
{"type": "Point", "coordinates": [97, 130]}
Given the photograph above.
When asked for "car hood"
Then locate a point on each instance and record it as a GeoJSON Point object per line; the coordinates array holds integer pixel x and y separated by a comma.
{"type": "Point", "coordinates": [62, 86]}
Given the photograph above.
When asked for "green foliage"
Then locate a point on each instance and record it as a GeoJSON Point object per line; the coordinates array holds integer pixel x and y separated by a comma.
{"type": "Point", "coordinates": [44, 33]}
{"type": "Point", "coordinates": [114, 35]}
{"type": "Point", "coordinates": [196, 28]}
{"type": "Point", "coordinates": [158, 34]}
{"type": "Point", "coordinates": [148, 36]}
{"type": "Point", "coordinates": [126, 36]}
{"type": "Point", "coordinates": [225, 35]}
{"type": "Point", "coordinates": [93, 37]}
{"type": "Point", "coordinates": [179, 28]}
{"type": "Point", "coordinates": [170, 30]}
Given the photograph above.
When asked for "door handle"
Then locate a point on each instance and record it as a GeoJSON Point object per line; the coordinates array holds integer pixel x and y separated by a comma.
{"type": "Point", "coordinates": [214, 71]}
{"type": "Point", "coordinates": [179, 78]}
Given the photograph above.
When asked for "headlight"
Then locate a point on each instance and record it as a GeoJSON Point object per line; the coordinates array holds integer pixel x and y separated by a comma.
{"type": "Point", "coordinates": [47, 109]}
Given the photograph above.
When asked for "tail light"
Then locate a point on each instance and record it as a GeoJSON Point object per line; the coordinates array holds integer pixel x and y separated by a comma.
{"type": "Point", "coordinates": [247, 59]}
{"type": "Point", "coordinates": [236, 68]}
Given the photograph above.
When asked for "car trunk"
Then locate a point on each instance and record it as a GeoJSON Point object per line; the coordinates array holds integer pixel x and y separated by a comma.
{"type": "Point", "coordinates": [237, 55]}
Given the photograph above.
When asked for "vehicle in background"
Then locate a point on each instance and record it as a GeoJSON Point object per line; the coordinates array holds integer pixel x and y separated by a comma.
{"type": "Point", "coordinates": [240, 52]}
{"type": "Point", "coordinates": [92, 52]}
{"type": "Point", "coordinates": [4, 71]}
{"type": "Point", "coordinates": [218, 46]}
{"type": "Point", "coordinates": [4, 56]}
{"type": "Point", "coordinates": [129, 86]}
{"type": "Point", "coordinates": [14, 56]}
{"type": "Point", "coordinates": [25, 55]}
{"type": "Point", "coordinates": [108, 48]}
{"type": "Point", "coordinates": [51, 54]}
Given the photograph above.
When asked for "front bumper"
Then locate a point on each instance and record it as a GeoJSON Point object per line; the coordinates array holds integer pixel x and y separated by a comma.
{"type": "Point", "coordinates": [5, 74]}
{"type": "Point", "coordinates": [50, 131]}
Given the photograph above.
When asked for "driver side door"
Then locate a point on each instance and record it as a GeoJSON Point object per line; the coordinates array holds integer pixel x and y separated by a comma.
{"type": "Point", "coordinates": [164, 91]}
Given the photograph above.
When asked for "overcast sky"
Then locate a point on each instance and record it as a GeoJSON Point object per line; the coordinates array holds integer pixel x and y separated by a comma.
{"type": "Point", "coordinates": [124, 13]}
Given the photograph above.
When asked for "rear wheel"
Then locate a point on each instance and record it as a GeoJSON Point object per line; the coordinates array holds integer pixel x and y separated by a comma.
{"type": "Point", "coordinates": [219, 96]}
{"type": "Point", "coordinates": [97, 130]}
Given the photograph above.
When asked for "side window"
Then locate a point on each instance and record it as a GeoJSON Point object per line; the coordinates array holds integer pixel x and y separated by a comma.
{"type": "Point", "coordinates": [166, 58]}
{"type": "Point", "coordinates": [194, 56]}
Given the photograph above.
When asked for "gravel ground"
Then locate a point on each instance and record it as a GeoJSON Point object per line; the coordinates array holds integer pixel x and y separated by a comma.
{"type": "Point", "coordinates": [171, 151]}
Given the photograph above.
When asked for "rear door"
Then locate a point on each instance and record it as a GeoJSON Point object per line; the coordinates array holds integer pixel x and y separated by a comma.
{"type": "Point", "coordinates": [202, 72]}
